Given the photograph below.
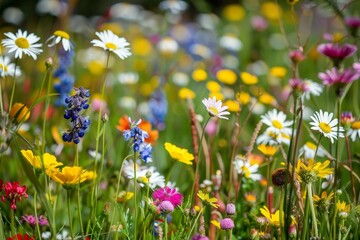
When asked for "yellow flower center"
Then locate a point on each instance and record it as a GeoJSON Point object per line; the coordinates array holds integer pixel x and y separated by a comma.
{"type": "Point", "coordinates": [111, 46]}
{"type": "Point", "coordinates": [3, 67]}
{"type": "Point", "coordinates": [62, 34]}
{"type": "Point", "coordinates": [310, 145]}
{"type": "Point", "coordinates": [355, 125]}
{"type": "Point", "coordinates": [325, 127]}
{"type": "Point", "coordinates": [277, 124]}
{"type": "Point", "coordinates": [22, 42]}
{"type": "Point", "coordinates": [214, 110]}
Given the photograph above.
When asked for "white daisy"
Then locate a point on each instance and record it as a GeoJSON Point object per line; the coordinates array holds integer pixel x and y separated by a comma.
{"type": "Point", "coordinates": [7, 68]}
{"type": "Point", "coordinates": [60, 36]}
{"type": "Point", "coordinates": [21, 43]}
{"type": "Point", "coordinates": [323, 123]}
{"type": "Point", "coordinates": [354, 130]}
{"type": "Point", "coordinates": [276, 122]}
{"type": "Point", "coordinates": [309, 149]}
{"type": "Point", "coordinates": [111, 42]}
{"type": "Point", "coordinates": [313, 88]}
{"type": "Point", "coordinates": [270, 137]}
{"type": "Point", "coordinates": [215, 108]}
{"type": "Point", "coordinates": [244, 167]}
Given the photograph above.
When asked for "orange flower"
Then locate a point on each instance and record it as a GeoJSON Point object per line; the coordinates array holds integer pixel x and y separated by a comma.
{"type": "Point", "coordinates": [144, 125]}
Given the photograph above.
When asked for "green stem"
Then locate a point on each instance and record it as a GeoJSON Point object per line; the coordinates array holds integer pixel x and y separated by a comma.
{"type": "Point", "coordinates": [13, 86]}
{"type": "Point", "coordinates": [1, 98]}
{"type": "Point", "coordinates": [36, 216]}
{"type": "Point", "coordinates": [166, 227]}
{"type": "Point", "coordinates": [69, 213]}
{"type": "Point", "coordinates": [281, 212]}
{"type": "Point", "coordinates": [12, 222]}
{"type": "Point", "coordinates": [194, 223]}
{"type": "Point", "coordinates": [305, 223]}
{"type": "Point", "coordinates": [313, 215]}
{"type": "Point", "coordinates": [2, 232]}
{"type": "Point", "coordinates": [78, 194]}
{"type": "Point", "coordinates": [135, 195]}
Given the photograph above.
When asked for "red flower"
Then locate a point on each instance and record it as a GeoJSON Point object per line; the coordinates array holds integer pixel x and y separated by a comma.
{"type": "Point", "coordinates": [20, 237]}
{"type": "Point", "coordinates": [13, 192]}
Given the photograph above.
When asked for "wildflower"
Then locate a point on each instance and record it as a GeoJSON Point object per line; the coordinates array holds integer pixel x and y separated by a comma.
{"type": "Point", "coordinates": [145, 152]}
{"type": "Point", "coordinates": [329, 181]}
{"type": "Point", "coordinates": [273, 219]}
{"type": "Point", "coordinates": [342, 209]}
{"type": "Point", "coordinates": [336, 52]}
{"type": "Point", "coordinates": [7, 68]}
{"type": "Point", "coordinates": [167, 46]}
{"type": "Point", "coordinates": [21, 43]}
{"type": "Point", "coordinates": [49, 161]}
{"type": "Point", "coordinates": [19, 113]}
{"type": "Point", "coordinates": [216, 223]}
{"type": "Point", "coordinates": [233, 12]}
{"type": "Point", "coordinates": [199, 75]}
{"type": "Point", "coordinates": [247, 169]}
{"type": "Point", "coordinates": [207, 200]}
{"type": "Point", "coordinates": [243, 98]}
{"type": "Point", "coordinates": [173, 6]}
{"type": "Point", "coordinates": [280, 177]}
{"type": "Point", "coordinates": [323, 123]}
{"type": "Point", "coordinates": [276, 122]}
{"type": "Point", "coordinates": [324, 201]}
{"type": "Point", "coordinates": [167, 194]}
{"type": "Point", "coordinates": [230, 209]}
{"type": "Point", "coordinates": [70, 176]}
{"type": "Point", "coordinates": [309, 149]}
{"type": "Point", "coordinates": [215, 108]}
{"type": "Point", "coordinates": [156, 179]}
{"type": "Point", "coordinates": [269, 137]}
{"type": "Point", "coordinates": [248, 78]}
{"type": "Point", "coordinates": [31, 220]}
{"type": "Point", "coordinates": [226, 76]}
{"type": "Point", "coordinates": [231, 42]}
{"type": "Point", "coordinates": [312, 88]}
{"type": "Point", "coordinates": [271, 10]}
{"type": "Point", "coordinates": [259, 23]}
{"type": "Point", "coordinates": [346, 119]}
{"type": "Point", "coordinates": [166, 207]}
{"type": "Point", "coordinates": [20, 237]}
{"type": "Point", "coordinates": [353, 23]}
{"type": "Point", "coordinates": [227, 224]}
{"type": "Point", "coordinates": [279, 72]}
{"type": "Point", "coordinates": [179, 154]}
{"type": "Point", "coordinates": [124, 124]}
{"type": "Point", "coordinates": [112, 43]}
{"type": "Point", "coordinates": [60, 36]}
{"type": "Point", "coordinates": [213, 86]}
{"type": "Point", "coordinates": [298, 85]}
{"type": "Point", "coordinates": [296, 56]}
{"type": "Point", "coordinates": [75, 104]}
{"type": "Point", "coordinates": [186, 93]}
{"type": "Point", "coordinates": [267, 150]}
{"type": "Point", "coordinates": [124, 196]}
{"type": "Point", "coordinates": [354, 130]}
{"type": "Point", "coordinates": [13, 193]}
{"type": "Point", "coordinates": [233, 106]}
{"type": "Point", "coordinates": [339, 77]}
{"type": "Point", "coordinates": [250, 198]}
{"type": "Point", "coordinates": [311, 171]}
{"type": "Point", "coordinates": [199, 237]}
{"type": "Point", "coordinates": [158, 108]}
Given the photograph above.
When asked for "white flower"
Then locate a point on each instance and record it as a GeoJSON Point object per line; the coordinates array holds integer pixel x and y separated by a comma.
{"type": "Point", "coordinates": [173, 6]}
{"type": "Point", "coordinates": [7, 68]}
{"type": "Point", "coordinates": [272, 138]}
{"type": "Point", "coordinates": [60, 36]}
{"type": "Point", "coordinates": [21, 43]}
{"type": "Point", "coordinates": [354, 131]}
{"type": "Point", "coordinates": [323, 123]}
{"type": "Point", "coordinates": [215, 108]}
{"type": "Point", "coordinates": [128, 78]}
{"type": "Point", "coordinates": [312, 88]}
{"type": "Point", "coordinates": [167, 46]}
{"type": "Point", "coordinates": [276, 122]}
{"type": "Point", "coordinates": [111, 42]}
{"type": "Point", "coordinates": [231, 43]}
{"type": "Point", "coordinates": [309, 149]}
{"type": "Point", "coordinates": [244, 167]}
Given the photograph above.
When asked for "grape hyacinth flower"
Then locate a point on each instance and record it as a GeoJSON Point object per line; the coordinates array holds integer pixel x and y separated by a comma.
{"type": "Point", "coordinates": [138, 135]}
{"type": "Point", "coordinates": [75, 104]}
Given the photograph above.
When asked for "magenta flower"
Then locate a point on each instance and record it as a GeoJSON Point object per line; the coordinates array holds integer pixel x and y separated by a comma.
{"type": "Point", "coordinates": [31, 220]}
{"type": "Point", "coordinates": [334, 76]}
{"type": "Point", "coordinates": [336, 52]}
{"type": "Point", "coordinates": [296, 56]}
{"type": "Point", "coordinates": [166, 207]}
{"type": "Point", "coordinates": [167, 194]}
{"type": "Point", "coordinates": [199, 237]}
{"type": "Point", "coordinates": [352, 22]}
{"type": "Point", "coordinates": [298, 85]}
{"type": "Point", "coordinates": [227, 224]}
{"type": "Point", "coordinates": [13, 192]}
{"type": "Point", "coordinates": [356, 67]}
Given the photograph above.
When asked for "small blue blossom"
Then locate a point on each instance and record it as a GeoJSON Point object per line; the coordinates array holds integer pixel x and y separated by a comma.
{"type": "Point", "coordinates": [75, 105]}
{"type": "Point", "coordinates": [145, 152]}
{"type": "Point", "coordinates": [158, 109]}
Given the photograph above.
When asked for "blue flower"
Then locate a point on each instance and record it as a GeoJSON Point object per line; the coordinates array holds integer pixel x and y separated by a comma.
{"type": "Point", "coordinates": [145, 152]}
{"type": "Point", "coordinates": [158, 109]}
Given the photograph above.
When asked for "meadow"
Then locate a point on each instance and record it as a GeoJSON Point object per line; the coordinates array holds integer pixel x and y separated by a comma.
{"type": "Point", "coordinates": [183, 120]}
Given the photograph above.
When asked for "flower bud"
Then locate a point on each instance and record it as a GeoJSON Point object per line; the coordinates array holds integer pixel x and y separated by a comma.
{"type": "Point", "coordinates": [49, 62]}
{"type": "Point", "coordinates": [230, 209]}
{"type": "Point", "coordinates": [227, 224]}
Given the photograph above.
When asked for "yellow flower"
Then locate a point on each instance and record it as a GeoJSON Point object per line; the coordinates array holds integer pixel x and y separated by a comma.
{"type": "Point", "coordinates": [141, 47]}
{"type": "Point", "coordinates": [271, 11]}
{"type": "Point", "coordinates": [226, 76]}
{"type": "Point", "coordinates": [217, 95]}
{"type": "Point", "coordinates": [70, 176]}
{"type": "Point", "coordinates": [268, 150]}
{"type": "Point", "coordinates": [19, 112]}
{"type": "Point", "coordinates": [324, 200]}
{"type": "Point", "coordinates": [308, 173]}
{"type": "Point", "coordinates": [243, 97]}
{"type": "Point", "coordinates": [266, 98]}
{"type": "Point", "coordinates": [207, 200]}
{"type": "Point", "coordinates": [96, 67]}
{"type": "Point", "coordinates": [274, 219]}
{"type": "Point", "coordinates": [124, 196]}
{"type": "Point", "coordinates": [343, 209]}
{"type": "Point", "coordinates": [251, 198]}
{"type": "Point", "coordinates": [186, 93]}
{"type": "Point", "coordinates": [213, 86]}
{"type": "Point", "coordinates": [248, 78]}
{"type": "Point", "coordinates": [233, 106]}
{"type": "Point", "coordinates": [179, 154]}
{"type": "Point", "coordinates": [279, 72]}
{"type": "Point", "coordinates": [199, 75]}
{"type": "Point", "coordinates": [292, 2]}
{"type": "Point", "coordinates": [216, 223]}
{"type": "Point", "coordinates": [48, 160]}
{"type": "Point", "coordinates": [234, 12]}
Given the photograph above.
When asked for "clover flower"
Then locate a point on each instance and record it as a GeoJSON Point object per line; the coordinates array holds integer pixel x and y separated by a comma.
{"type": "Point", "coordinates": [22, 43]}
{"type": "Point", "coordinates": [13, 193]}
{"type": "Point", "coordinates": [75, 104]}
{"type": "Point", "coordinates": [227, 224]}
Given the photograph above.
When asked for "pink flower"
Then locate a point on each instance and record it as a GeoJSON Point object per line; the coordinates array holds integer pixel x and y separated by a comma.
{"type": "Point", "coordinates": [167, 194]}
{"type": "Point", "coordinates": [13, 192]}
{"type": "Point", "coordinates": [356, 66]}
{"type": "Point", "coordinates": [297, 56]}
{"type": "Point", "coordinates": [31, 220]}
{"type": "Point", "coordinates": [352, 22]}
{"type": "Point", "coordinates": [298, 85]}
{"type": "Point", "coordinates": [227, 224]}
{"type": "Point", "coordinates": [336, 52]}
{"type": "Point", "coordinates": [259, 23]}
{"type": "Point", "coordinates": [334, 76]}
{"type": "Point", "coordinates": [166, 207]}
